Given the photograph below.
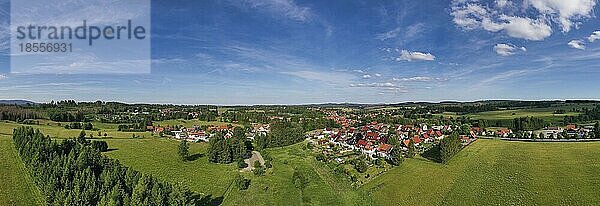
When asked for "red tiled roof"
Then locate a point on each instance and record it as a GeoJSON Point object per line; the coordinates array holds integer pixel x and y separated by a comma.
{"type": "Point", "coordinates": [416, 139]}
{"type": "Point", "coordinates": [384, 147]}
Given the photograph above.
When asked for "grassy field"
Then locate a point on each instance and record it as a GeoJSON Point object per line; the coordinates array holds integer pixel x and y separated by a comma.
{"type": "Point", "coordinates": [277, 188]}
{"type": "Point", "coordinates": [544, 113]}
{"type": "Point", "coordinates": [494, 172]}
{"type": "Point", "coordinates": [56, 130]}
{"type": "Point", "coordinates": [159, 158]}
{"type": "Point", "coordinates": [190, 123]}
{"type": "Point", "coordinates": [16, 186]}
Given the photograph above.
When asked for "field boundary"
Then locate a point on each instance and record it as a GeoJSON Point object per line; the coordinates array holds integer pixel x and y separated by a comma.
{"type": "Point", "coordinates": [549, 140]}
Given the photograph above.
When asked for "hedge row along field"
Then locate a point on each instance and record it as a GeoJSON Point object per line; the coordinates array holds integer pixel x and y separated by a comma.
{"type": "Point", "coordinates": [72, 172]}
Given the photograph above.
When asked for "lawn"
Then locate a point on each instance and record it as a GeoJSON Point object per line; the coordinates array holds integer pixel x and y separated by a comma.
{"type": "Point", "coordinates": [494, 172]}
{"type": "Point", "coordinates": [16, 186]}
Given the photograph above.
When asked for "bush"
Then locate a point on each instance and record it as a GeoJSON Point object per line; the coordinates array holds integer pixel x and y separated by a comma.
{"type": "Point", "coordinates": [241, 164]}
{"type": "Point", "coordinates": [241, 182]}
{"type": "Point", "coordinates": [259, 170]}
{"type": "Point", "coordinates": [100, 146]}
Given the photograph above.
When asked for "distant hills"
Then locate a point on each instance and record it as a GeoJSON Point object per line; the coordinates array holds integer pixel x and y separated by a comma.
{"type": "Point", "coordinates": [15, 102]}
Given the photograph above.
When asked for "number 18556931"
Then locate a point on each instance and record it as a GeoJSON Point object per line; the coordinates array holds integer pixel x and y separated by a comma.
{"type": "Point", "coordinates": [46, 47]}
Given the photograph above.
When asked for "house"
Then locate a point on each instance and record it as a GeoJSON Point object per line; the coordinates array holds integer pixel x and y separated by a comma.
{"type": "Point", "coordinates": [503, 132]}
{"type": "Point", "coordinates": [406, 142]}
{"type": "Point", "coordinates": [384, 150]}
{"type": "Point", "coordinates": [159, 130]}
{"type": "Point", "coordinates": [178, 134]}
{"type": "Point", "coordinates": [416, 140]}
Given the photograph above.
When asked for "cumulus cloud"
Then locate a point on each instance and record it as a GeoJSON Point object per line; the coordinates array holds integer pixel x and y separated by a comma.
{"type": "Point", "coordinates": [366, 76]}
{"type": "Point", "coordinates": [2, 76]}
{"type": "Point", "coordinates": [564, 11]}
{"type": "Point", "coordinates": [595, 36]}
{"type": "Point", "coordinates": [516, 21]}
{"type": "Point", "coordinates": [526, 28]}
{"type": "Point", "coordinates": [406, 55]}
{"type": "Point", "coordinates": [507, 49]}
{"type": "Point", "coordinates": [577, 44]}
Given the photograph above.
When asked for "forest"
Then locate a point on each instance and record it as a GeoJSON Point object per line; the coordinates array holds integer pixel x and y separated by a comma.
{"type": "Point", "coordinates": [74, 172]}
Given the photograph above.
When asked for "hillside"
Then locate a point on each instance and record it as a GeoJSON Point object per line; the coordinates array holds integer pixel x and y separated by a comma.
{"type": "Point", "coordinates": [494, 172]}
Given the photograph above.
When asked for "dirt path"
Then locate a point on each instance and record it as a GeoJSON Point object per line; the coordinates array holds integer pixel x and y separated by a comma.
{"type": "Point", "coordinates": [250, 162]}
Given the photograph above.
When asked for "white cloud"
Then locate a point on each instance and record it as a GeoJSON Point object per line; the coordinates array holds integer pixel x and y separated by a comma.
{"type": "Point", "coordinates": [415, 56]}
{"type": "Point", "coordinates": [378, 75]}
{"type": "Point", "coordinates": [564, 11]}
{"type": "Point", "coordinates": [517, 21]}
{"type": "Point", "coordinates": [389, 35]}
{"type": "Point", "coordinates": [416, 78]}
{"type": "Point", "coordinates": [595, 36]}
{"type": "Point", "coordinates": [503, 3]}
{"type": "Point", "coordinates": [469, 16]}
{"type": "Point", "coordinates": [526, 28]}
{"type": "Point", "coordinates": [377, 85]}
{"type": "Point", "coordinates": [287, 8]}
{"type": "Point", "coordinates": [2, 76]}
{"type": "Point", "coordinates": [366, 76]}
{"type": "Point", "coordinates": [577, 44]}
{"type": "Point", "coordinates": [507, 49]}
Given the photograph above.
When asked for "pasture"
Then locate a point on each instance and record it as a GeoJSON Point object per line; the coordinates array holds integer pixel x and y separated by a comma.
{"type": "Point", "coordinates": [16, 186]}
{"type": "Point", "coordinates": [494, 172]}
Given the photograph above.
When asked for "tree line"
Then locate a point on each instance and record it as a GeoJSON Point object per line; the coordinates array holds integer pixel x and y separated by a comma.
{"type": "Point", "coordinates": [221, 150]}
{"type": "Point", "coordinates": [282, 133]}
{"type": "Point", "coordinates": [73, 172]}
{"type": "Point", "coordinates": [16, 113]}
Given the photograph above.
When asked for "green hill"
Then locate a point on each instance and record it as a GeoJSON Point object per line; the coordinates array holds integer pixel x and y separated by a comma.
{"type": "Point", "coordinates": [493, 172]}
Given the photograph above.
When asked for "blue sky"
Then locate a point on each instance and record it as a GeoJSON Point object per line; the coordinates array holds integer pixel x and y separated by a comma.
{"type": "Point", "coordinates": [296, 52]}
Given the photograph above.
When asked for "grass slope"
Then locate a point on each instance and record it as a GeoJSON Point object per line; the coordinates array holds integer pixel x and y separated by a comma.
{"type": "Point", "coordinates": [493, 172]}
{"type": "Point", "coordinates": [159, 157]}
{"type": "Point", "coordinates": [277, 188]}
{"type": "Point", "coordinates": [16, 186]}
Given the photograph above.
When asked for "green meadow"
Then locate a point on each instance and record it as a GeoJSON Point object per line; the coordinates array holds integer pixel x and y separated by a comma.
{"type": "Point", "coordinates": [494, 172]}
{"type": "Point", "coordinates": [191, 123]}
{"type": "Point", "coordinates": [159, 158]}
{"type": "Point", "coordinates": [544, 113]}
{"type": "Point", "coordinates": [16, 186]}
{"type": "Point", "coordinates": [488, 172]}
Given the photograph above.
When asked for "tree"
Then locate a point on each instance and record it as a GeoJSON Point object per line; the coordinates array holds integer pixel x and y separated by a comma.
{"type": "Point", "coordinates": [184, 150]}
{"type": "Point", "coordinates": [241, 164]}
{"type": "Point", "coordinates": [449, 146]}
{"type": "Point", "coordinates": [259, 170]}
{"type": "Point", "coordinates": [597, 130]}
{"type": "Point", "coordinates": [100, 146]}
{"type": "Point", "coordinates": [361, 165]}
{"type": "Point", "coordinates": [412, 149]}
{"type": "Point", "coordinates": [396, 156]}
{"type": "Point", "coordinates": [73, 172]}
{"type": "Point", "coordinates": [241, 182]}
{"type": "Point", "coordinates": [299, 180]}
